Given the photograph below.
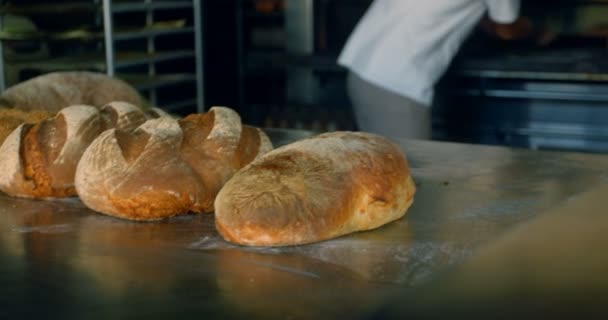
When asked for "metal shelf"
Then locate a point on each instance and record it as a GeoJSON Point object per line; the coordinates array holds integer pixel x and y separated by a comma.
{"type": "Point", "coordinates": [134, 59]}
{"type": "Point", "coordinates": [139, 6]}
{"type": "Point", "coordinates": [75, 34]}
{"type": "Point", "coordinates": [151, 32]}
{"type": "Point", "coordinates": [98, 62]}
{"type": "Point", "coordinates": [112, 60]}
{"type": "Point", "coordinates": [158, 29]}
{"type": "Point", "coordinates": [48, 8]}
{"type": "Point", "coordinates": [179, 105]}
{"type": "Point", "coordinates": [146, 82]}
{"type": "Point", "coordinates": [79, 7]}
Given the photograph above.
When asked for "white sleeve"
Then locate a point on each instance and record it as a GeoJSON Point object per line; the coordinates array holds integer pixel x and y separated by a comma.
{"type": "Point", "coordinates": [503, 11]}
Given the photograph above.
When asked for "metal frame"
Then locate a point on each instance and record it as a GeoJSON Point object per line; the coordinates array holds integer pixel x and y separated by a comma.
{"type": "Point", "coordinates": [199, 58]}
{"type": "Point", "coordinates": [108, 39]}
{"type": "Point", "coordinates": [108, 8]}
{"type": "Point", "coordinates": [197, 30]}
{"type": "Point", "coordinates": [302, 85]}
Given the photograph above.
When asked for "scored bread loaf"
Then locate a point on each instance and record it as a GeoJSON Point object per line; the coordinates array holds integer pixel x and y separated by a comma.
{"type": "Point", "coordinates": [54, 91]}
{"type": "Point", "coordinates": [39, 160]}
{"type": "Point", "coordinates": [315, 189]}
{"type": "Point", "coordinates": [166, 167]}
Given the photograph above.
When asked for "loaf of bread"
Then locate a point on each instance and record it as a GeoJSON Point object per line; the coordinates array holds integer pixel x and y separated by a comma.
{"type": "Point", "coordinates": [57, 90]}
{"type": "Point", "coordinates": [166, 167]}
{"type": "Point", "coordinates": [39, 160]}
{"type": "Point", "coordinates": [315, 189]}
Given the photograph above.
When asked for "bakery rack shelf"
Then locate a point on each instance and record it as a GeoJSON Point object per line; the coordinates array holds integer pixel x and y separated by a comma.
{"type": "Point", "coordinates": [82, 34]}
{"type": "Point", "coordinates": [153, 83]}
{"type": "Point", "coordinates": [47, 8]}
{"type": "Point", "coordinates": [111, 41]}
{"type": "Point", "coordinates": [121, 7]}
{"type": "Point", "coordinates": [151, 32]}
{"type": "Point", "coordinates": [96, 61]}
{"type": "Point", "coordinates": [78, 7]}
{"type": "Point", "coordinates": [179, 105]}
{"type": "Point", "coordinates": [144, 82]}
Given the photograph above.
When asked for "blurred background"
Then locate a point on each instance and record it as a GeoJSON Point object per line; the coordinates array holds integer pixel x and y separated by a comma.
{"type": "Point", "coordinates": [274, 61]}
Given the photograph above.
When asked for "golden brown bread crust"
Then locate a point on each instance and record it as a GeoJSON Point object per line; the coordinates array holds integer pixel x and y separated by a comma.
{"type": "Point", "coordinates": [248, 147]}
{"type": "Point", "coordinates": [39, 160]}
{"type": "Point", "coordinates": [121, 115]}
{"type": "Point", "coordinates": [42, 143]}
{"type": "Point", "coordinates": [165, 167]}
{"type": "Point", "coordinates": [57, 90]}
{"type": "Point", "coordinates": [137, 175]}
{"type": "Point", "coordinates": [211, 159]}
{"type": "Point", "coordinates": [315, 189]}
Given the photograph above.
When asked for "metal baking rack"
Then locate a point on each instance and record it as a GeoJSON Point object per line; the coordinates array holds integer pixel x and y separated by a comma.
{"type": "Point", "coordinates": [110, 58]}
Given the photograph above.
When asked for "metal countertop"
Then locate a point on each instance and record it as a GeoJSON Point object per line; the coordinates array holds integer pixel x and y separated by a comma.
{"type": "Point", "coordinates": [60, 259]}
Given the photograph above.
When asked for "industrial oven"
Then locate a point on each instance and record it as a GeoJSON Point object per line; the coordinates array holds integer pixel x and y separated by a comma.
{"type": "Point", "coordinates": [525, 95]}
{"type": "Point", "coordinates": [508, 93]}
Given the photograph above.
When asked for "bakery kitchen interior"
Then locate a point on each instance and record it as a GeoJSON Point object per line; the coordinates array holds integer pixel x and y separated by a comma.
{"type": "Point", "coordinates": [303, 159]}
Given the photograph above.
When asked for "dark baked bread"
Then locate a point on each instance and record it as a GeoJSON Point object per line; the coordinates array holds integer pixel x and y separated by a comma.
{"type": "Point", "coordinates": [315, 189]}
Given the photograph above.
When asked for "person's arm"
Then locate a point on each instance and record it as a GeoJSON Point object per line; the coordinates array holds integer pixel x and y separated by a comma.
{"type": "Point", "coordinates": [504, 22]}
{"type": "Point", "coordinates": [519, 29]}
{"type": "Point", "coordinates": [503, 12]}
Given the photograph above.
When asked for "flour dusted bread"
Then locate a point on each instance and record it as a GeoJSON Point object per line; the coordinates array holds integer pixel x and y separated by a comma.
{"type": "Point", "coordinates": [57, 90]}
{"type": "Point", "coordinates": [121, 115]}
{"type": "Point", "coordinates": [216, 145]}
{"type": "Point", "coordinates": [42, 97]}
{"type": "Point", "coordinates": [137, 175]}
{"type": "Point", "coordinates": [315, 189]}
{"type": "Point", "coordinates": [39, 160]}
{"type": "Point", "coordinates": [166, 167]}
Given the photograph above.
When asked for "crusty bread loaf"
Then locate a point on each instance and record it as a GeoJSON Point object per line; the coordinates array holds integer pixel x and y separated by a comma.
{"type": "Point", "coordinates": [39, 160]}
{"type": "Point", "coordinates": [216, 145]}
{"type": "Point", "coordinates": [57, 90]}
{"type": "Point", "coordinates": [166, 166]}
{"type": "Point", "coordinates": [315, 189]}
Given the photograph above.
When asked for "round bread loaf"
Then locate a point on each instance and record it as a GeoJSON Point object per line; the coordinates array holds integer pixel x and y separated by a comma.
{"type": "Point", "coordinates": [166, 166]}
{"type": "Point", "coordinates": [315, 189]}
{"type": "Point", "coordinates": [39, 160]}
{"type": "Point", "coordinates": [56, 90]}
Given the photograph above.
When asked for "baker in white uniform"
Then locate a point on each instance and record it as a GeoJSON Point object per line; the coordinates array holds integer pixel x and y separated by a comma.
{"type": "Point", "coordinates": [400, 49]}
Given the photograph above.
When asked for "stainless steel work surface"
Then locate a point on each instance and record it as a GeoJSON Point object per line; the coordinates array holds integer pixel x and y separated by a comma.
{"type": "Point", "coordinates": [60, 259]}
